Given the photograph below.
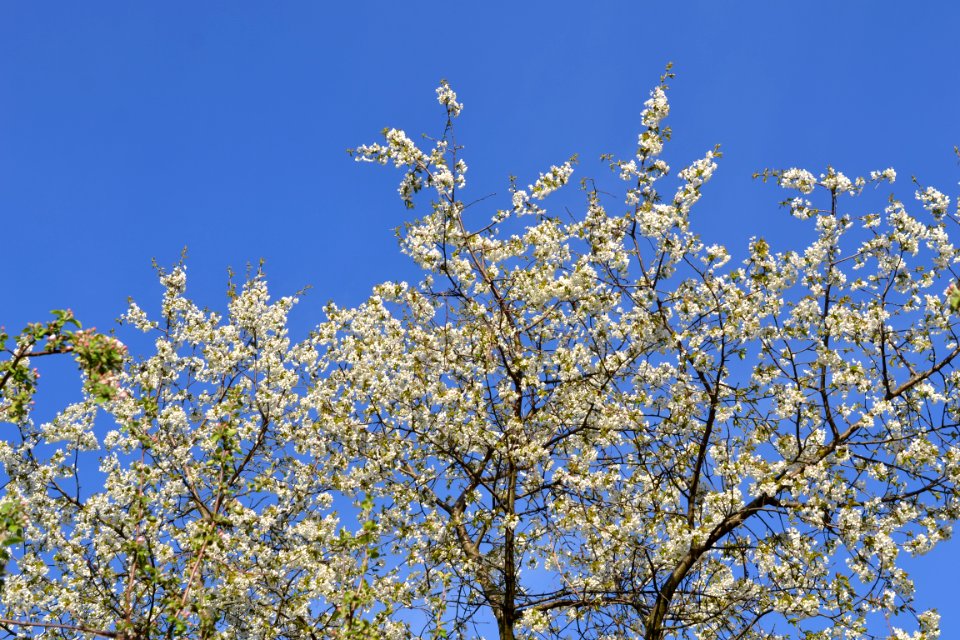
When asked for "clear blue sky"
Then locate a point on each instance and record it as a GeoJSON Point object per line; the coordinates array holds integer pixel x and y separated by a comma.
{"type": "Point", "coordinates": [130, 130]}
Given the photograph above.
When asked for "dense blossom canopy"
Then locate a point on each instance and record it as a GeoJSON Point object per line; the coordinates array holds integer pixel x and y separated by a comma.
{"type": "Point", "coordinates": [571, 427]}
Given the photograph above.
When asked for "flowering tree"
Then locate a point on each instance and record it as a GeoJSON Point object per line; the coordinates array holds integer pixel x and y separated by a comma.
{"type": "Point", "coordinates": [100, 358]}
{"type": "Point", "coordinates": [572, 427]}
{"type": "Point", "coordinates": [211, 511]}
{"type": "Point", "coordinates": [596, 427]}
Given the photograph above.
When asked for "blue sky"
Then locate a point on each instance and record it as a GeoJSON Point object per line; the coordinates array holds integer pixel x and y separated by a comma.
{"type": "Point", "coordinates": [131, 130]}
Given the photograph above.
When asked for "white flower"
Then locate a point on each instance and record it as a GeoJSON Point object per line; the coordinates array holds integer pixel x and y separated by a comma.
{"type": "Point", "coordinates": [448, 98]}
{"type": "Point", "coordinates": [933, 201]}
{"type": "Point", "coordinates": [550, 181]}
{"type": "Point", "coordinates": [837, 182]}
{"type": "Point", "coordinates": [798, 179]}
{"type": "Point", "coordinates": [887, 174]}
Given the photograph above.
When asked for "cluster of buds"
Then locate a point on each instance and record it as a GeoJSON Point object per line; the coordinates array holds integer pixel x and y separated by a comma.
{"type": "Point", "coordinates": [952, 295]}
{"type": "Point", "coordinates": [101, 358]}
